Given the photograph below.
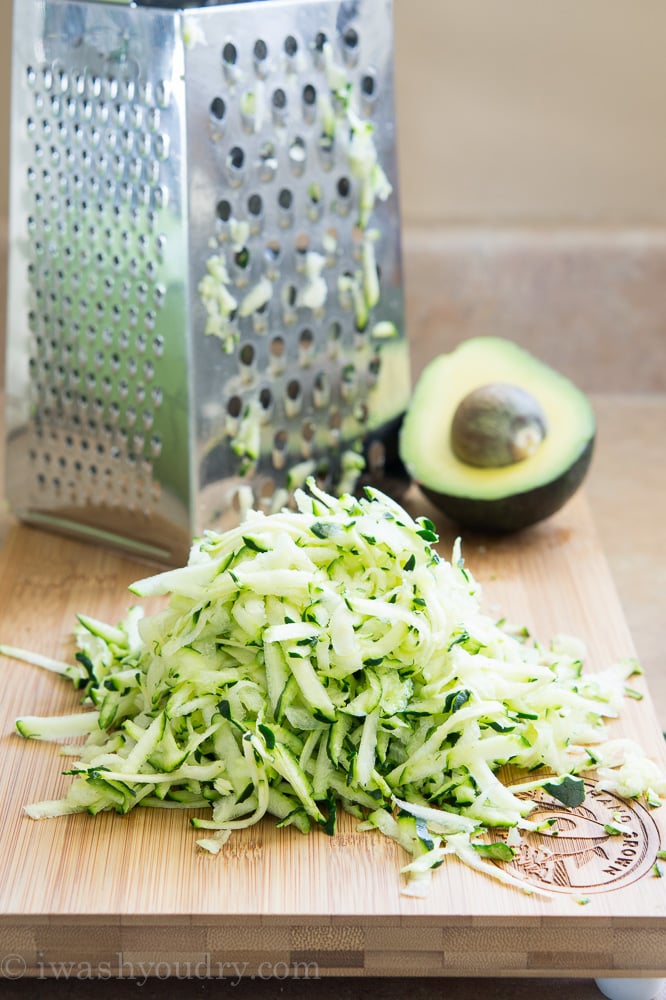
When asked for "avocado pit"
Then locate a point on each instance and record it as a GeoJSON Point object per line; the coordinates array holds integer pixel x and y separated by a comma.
{"type": "Point", "coordinates": [496, 425]}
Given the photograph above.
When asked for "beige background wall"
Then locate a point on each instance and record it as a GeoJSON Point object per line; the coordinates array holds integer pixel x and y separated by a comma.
{"type": "Point", "coordinates": [532, 110]}
{"type": "Point", "coordinates": [5, 66]}
{"type": "Point", "coordinates": [516, 111]}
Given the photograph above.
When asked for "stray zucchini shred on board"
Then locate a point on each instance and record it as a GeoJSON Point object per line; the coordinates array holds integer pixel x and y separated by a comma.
{"type": "Point", "coordinates": [328, 658]}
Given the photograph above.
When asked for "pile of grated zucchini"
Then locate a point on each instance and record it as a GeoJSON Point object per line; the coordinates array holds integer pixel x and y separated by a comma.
{"type": "Point", "coordinates": [327, 658]}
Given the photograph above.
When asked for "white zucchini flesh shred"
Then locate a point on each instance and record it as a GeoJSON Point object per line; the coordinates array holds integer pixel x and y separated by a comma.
{"type": "Point", "coordinates": [327, 657]}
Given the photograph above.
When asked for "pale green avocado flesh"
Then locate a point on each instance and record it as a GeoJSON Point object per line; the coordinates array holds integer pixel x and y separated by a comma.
{"type": "Point", "coordinates": [512, 496]}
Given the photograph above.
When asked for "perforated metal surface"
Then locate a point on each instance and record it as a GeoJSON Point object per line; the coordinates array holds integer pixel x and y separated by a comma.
{"type": "Point", "coordinates": [206, 298]}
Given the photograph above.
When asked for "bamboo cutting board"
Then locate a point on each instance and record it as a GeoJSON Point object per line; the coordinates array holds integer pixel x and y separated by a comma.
{"type": "Point", "coordinates": [112, 893]}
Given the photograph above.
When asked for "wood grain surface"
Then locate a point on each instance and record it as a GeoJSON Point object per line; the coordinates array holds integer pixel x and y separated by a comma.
{"type": "Point", "coordinates": [111, 889]}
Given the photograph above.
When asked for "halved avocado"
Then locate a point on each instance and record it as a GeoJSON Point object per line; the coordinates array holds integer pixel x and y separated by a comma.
{"type": "Point", "coordinates": [496, 438]}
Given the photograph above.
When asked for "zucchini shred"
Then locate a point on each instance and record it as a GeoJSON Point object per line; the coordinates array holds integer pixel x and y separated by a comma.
{"type": "Point", "coordinates": [327, 657]}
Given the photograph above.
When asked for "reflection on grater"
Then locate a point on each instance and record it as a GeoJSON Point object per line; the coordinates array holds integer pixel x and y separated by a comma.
{"type": "Point", "coordinates": [205, 280]}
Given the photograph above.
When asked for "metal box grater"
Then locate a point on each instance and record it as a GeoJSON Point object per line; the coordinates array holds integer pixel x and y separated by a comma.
{"type": "Point", "coordinates": [205, 294]}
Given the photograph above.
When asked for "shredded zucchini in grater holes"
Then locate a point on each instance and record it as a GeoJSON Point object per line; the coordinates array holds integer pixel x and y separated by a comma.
{"type": "Point", "coordinates": [328, 658]}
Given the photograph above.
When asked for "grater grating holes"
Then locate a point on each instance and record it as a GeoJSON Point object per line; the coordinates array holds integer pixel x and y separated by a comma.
{"type": "Point", "coordinates": [77, 144]}
{"type": "Point", "coordinates": [321, 391]}
{"type": "Point", "coordinates": [334, 426]}
{"type": "Point", "coordinates": [280, 447]}
{"type": "Point", "coordinates": [260, 50]}
{"type": "Point", "coordinates": [229, 54]}
{"type": "Point", "coordinates": [298, 156]}
{"type": "Point", "coordinates": [266, 403]}
{"type": "Point", "coordinates": [267, 161]}
{"type": "Point", "coordinates": [223, 210]}
{"type": "Point", "coordinates": [255, 205]}
{"type": "Point", "coordinates": [218, 108]}
{"type": "Point", "coordinates": [277, 355]}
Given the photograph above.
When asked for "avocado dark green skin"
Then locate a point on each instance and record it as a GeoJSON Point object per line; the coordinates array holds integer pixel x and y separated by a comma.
{"type": "Point", "coordinates": [509, 514]}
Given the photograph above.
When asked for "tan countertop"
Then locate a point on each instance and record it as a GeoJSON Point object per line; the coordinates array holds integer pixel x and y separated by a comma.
{"type": "Point", "coordinates": [626, 487]}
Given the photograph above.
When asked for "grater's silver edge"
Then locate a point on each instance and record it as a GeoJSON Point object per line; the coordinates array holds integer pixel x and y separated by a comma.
{"type": "Point", "coordinates": [84, 532]}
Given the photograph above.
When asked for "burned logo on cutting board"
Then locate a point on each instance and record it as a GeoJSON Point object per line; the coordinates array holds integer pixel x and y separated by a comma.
{"type": "Point", "coordinates": [604, 843]}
